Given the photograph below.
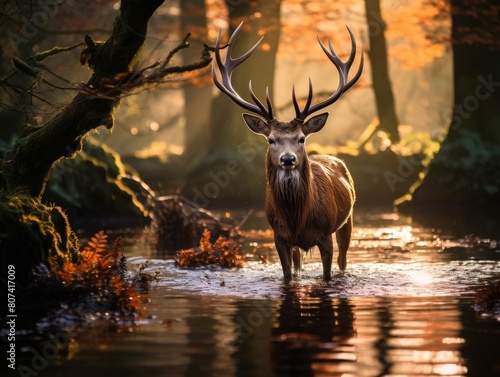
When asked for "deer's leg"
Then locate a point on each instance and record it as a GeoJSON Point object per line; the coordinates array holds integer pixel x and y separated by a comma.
{"type": "Point", "coordinates": [343, 236]}
{"type": "Point", "coordinates": [297, 259]}
{"type": "Point", "coordinates": [284, 253]}
{"type": "Point", "coordinates": [325, 246]}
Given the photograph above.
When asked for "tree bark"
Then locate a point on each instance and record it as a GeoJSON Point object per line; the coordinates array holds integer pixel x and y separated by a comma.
{"type": "Point", "coordinates": [463, 176]}
{"type": "Point", "coordinates": [384, 97]}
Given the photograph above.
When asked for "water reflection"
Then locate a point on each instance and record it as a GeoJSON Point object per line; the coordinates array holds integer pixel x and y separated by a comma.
{"type": "Point", "coordinates": [316, 335]}
{"type": "Point", "coordinates": [403, 308]}
{"type": "Point", "coordinates": [418, 336]}
{"type": "Point", "coordinates": [311, 333]}
{"type": "Point", "coordinates": [306, 332]}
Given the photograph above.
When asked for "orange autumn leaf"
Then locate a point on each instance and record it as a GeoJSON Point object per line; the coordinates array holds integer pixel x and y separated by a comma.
{"type": "Point", "coordinates": [223, 253]}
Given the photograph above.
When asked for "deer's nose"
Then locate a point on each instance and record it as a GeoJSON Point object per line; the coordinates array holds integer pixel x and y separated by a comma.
{"type": "Point", "coordinates": [288, 160]}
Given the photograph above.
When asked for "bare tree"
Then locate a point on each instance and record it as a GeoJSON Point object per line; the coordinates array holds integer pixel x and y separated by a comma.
{"type": "Point", "coordinates": [384, 98]}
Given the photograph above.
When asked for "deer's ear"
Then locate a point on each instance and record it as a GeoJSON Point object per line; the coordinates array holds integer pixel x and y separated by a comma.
{"type": "Point", "coordinates": [256, 124]}
{"type": "Point", "coordinates": [314, 124]}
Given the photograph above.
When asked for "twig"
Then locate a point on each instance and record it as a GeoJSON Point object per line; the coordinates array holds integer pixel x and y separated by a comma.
{"type": "Point", "coordinates": [139, 73]}
{"type": "Point", "coordinates": [57, 86]}
{"type": "Point", "coordinates": [42, 99]}
{"type": "Point", "coordinates": [244, 220]}
{"type": "Point", "coordinates": [56, 75]}
{"type": "Point", "coordinates": [54, 51]}
{"type": "Point", "coordinates": [182, 45]}
{"type": "Point", "coordinates": [161, 72]}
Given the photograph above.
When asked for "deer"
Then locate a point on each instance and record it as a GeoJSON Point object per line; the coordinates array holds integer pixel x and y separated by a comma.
{"type": "Point", "coordinates": [308, 198]}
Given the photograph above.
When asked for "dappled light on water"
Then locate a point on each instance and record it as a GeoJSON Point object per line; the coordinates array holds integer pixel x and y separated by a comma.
{"type": "Point", "coordinates": [421, 278]}
{"type": "Point", "coordinates": [405, 306]}
{"type": "Point", "coordinates": [389, 260]}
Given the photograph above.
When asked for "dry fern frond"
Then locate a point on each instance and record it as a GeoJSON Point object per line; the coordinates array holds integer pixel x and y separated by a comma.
{"type": "Point", "coordinates": [223, 253]}
{"type": "Point", "coordinates": [100, 275]}
{"type": "Point", "coordinates": [98, 243]}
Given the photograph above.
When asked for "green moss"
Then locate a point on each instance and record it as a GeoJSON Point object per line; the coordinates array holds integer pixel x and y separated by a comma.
{"type": "Point", "coordinates": [463, 174]}
{"type": "Point", "coordinates": [33, 232]}
{"type": "Point", "coordinates": [106, 156]}
{"type": "Point", "coordinates": [89, 186]}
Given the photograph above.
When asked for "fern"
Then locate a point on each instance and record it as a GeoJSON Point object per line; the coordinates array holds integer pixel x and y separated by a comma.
{"type": "Point", "coordinates": [98, 243]}
{"type": "Point", "coordinates": [223, 253]}
{"type": "Point", "coordinates": [100, 274]}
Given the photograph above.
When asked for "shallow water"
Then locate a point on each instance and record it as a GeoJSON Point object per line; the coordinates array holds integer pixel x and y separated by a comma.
{"type": "Point", "coordinates": [404, 307]}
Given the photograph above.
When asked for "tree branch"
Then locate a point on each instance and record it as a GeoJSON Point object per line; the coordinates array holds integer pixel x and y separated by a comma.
{"type": "Point", "coordinates": [27, 164]}
{"type": "Point", "coordinates": [182, 45]}
{"type": "Point", "coordinates": [54, 51]}
{"type": "Point", "coordinates": [122, 84]}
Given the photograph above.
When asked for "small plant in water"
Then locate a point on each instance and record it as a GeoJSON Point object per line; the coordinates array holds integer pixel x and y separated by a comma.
{"type": "Point", "coordinates": [99, 279]}
{"type": "Point", "coordinates": [224, 253]}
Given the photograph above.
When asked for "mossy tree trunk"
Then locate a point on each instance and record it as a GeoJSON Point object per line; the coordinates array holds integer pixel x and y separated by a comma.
{"type": "Point", "coordinates": [32, 232]}
{"type": "Point", "coordinates": [464, 174]}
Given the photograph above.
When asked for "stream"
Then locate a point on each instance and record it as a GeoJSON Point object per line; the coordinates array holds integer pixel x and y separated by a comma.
{"type": "Point", "coordinates": [407, 305]}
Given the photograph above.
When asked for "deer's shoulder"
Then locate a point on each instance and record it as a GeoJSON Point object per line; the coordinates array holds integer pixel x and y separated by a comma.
{"type": "Point", "coordinates": [328, 164]}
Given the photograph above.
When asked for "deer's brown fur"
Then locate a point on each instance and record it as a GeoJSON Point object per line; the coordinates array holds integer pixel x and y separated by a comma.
{"type": "Point", "coordinates": [307, 198]}
{"type": "Point", "coordinates": [308, 203]}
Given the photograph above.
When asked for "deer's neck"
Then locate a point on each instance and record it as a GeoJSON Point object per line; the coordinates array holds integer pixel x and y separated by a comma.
{"type": "Point", "coordinates": [289, 195]}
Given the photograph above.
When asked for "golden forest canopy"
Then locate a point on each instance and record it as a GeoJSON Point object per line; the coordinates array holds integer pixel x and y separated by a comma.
{"type": "Point", "coordinates": [418, 30]}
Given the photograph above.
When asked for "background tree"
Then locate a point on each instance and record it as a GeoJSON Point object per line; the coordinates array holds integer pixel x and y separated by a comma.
{"type": "Point", "coordinates": [228, 136]}
{"type": "Point", "coordinates": [197, 90]}
{"type": "Point", "coordinates": [384, 98]}
{"type": "Point", "coordinates": [261, 18]}
{"type": "Point", "coordinates": [464, 174]}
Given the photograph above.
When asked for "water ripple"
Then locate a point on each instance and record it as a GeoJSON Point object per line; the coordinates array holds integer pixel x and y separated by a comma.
{"type": "Point", "coordinates": [257, 280]}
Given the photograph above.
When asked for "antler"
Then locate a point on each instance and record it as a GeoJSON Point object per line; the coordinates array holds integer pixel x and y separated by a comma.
{"type": "Point", "coordinates": [344, 85]}
{"type": "Point", "coordinates": [226, 68]}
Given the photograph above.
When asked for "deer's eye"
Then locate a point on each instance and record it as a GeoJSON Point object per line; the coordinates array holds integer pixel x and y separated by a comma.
{"type": "Point", "coordinates": [270, 141]}
{"type": "Point", "coordinates": [302, 140]}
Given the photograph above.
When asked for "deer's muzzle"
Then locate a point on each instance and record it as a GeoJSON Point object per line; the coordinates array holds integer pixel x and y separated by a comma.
{"type": "Point", "coordinates": [288, 161]}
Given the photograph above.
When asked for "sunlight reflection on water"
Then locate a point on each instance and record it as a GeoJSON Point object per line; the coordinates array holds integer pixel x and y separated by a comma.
{"type": "Point", "coordinates": [421, 278]}
{"type": "Point", "coordinates": [389, 260]}
{"type": "Point", "coordinates": [404, 307]}
{"type": "Point", "coordinates": [257, 280]}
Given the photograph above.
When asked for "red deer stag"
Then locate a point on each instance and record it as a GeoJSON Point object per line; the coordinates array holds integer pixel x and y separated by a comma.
{"type": "Point", "coordinates": [307, 198]}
